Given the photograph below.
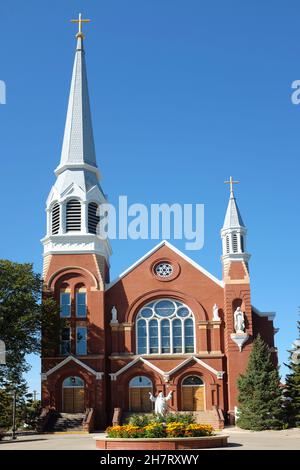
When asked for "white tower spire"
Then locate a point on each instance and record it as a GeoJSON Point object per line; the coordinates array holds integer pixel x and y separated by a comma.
{"type": "Point", "coordinates": [234, 231]}
{"type": "Point", "coordinates": [72, 205]}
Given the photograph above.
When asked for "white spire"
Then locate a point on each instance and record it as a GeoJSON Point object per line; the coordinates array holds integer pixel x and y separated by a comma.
{"type": "Point", "coordinates": [73, 202]}
{"type": "Point", "coordinates": [233, 218]}
{"type": "Point", "coordinates": [78, 148]}
{"type": "Point", "coordinates": [234, 231]}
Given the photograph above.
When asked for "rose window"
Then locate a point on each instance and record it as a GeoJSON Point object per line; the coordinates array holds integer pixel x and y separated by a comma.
{"type": "Point", "coordinates": [163, 269]}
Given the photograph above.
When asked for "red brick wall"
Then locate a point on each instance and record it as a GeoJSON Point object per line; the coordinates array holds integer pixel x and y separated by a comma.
{"type": "Point", "coordinates": [112, 347]}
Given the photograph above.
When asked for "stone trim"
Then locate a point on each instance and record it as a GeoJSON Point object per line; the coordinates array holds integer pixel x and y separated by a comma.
{"type": "Point", "coordinates": [166, 375]}
{"type": "Point", "coordinates": [68, 359]}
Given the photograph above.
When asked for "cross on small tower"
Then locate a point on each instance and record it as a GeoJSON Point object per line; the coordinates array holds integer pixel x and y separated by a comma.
{"type": "Point", "coordinates": [80, 21]}
{"type": "Point", "coordinates": [231, 182]}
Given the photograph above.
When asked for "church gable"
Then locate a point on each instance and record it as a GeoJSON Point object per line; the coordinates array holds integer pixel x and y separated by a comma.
{"type": "Point", "coordinates": [164, 272]}
{"type": "Point", "coordinates": [163, 249]}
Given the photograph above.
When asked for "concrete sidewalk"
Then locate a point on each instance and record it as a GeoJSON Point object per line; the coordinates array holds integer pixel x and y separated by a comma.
{"type": "Point", "coordinates": [239, 440]}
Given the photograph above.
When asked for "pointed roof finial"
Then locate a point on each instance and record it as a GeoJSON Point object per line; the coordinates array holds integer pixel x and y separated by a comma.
{"type": "Point", "coordinates": [231, 182]}
{"type": "Point", "coordinates": [233, 218]}
{"type": "Point", "coordinates": [80, 21]}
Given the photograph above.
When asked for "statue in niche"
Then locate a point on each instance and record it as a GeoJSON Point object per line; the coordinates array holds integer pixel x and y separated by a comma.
{"type": "Point", "coordinates": [114, 315]}
{"type": "Point", "coordinates": [216, 313]}
{"type": "Point", "coordinates": [239, 321]}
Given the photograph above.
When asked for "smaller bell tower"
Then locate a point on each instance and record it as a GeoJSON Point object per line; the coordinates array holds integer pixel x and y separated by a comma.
{"type": "Point", "coordinates": [236, 296]}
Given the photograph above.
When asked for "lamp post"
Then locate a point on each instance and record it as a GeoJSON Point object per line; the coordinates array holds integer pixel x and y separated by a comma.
{"type": "Point", "coordinates": [13, 434]}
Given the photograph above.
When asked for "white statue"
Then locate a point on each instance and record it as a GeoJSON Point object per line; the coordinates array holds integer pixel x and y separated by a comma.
{"type": "Point", "coordinates": [239, 321]}
{"type": "Point", "coordinates": [114, 315]}
{"type": "Point", "coordinates": [216, 313]}
{"type": "Point", "coordinates": [160, 401]}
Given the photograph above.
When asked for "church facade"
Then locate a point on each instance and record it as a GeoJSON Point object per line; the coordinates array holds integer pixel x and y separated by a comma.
{"type": "Point", "coordinates": [164, 325]}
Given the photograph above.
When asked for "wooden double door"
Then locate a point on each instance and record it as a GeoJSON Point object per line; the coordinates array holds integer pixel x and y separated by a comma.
{"type": "Point", "coordinates": [73, 400]}
{"type": "Point", "coordinates": [139, 399]}
{"type": "Point", "coordinates": [193, 398]}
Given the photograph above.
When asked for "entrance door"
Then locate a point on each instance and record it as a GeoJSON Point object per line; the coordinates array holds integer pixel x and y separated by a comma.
{"type": "Point", "coordinates": [139, 388]}
{"type": "Point", "coordinates": [193, 398]}
{"type": "Point", "coordinates": [73, 395]}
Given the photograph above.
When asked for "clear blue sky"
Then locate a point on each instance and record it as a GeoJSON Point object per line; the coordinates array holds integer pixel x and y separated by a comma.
{"type": "Point", "coordinates": [184, 94]}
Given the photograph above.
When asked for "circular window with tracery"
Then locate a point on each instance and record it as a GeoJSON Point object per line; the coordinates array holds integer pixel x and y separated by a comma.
{"type": "Point", "coordinates": [163, 269]}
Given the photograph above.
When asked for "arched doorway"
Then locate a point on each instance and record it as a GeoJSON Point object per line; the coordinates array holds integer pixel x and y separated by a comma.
{"type": "Point", "coordinates": [192, 394]}
{"type": "Point", "coordinates": [73, 395]}
{"type": "Point", "coordinates": [139, 388]}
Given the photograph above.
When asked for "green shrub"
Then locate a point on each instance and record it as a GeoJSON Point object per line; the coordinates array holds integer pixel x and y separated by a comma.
{"type": "Point", "coordinates": [184, 418]}
{"type": "Point", "coordinates": [141, 420]}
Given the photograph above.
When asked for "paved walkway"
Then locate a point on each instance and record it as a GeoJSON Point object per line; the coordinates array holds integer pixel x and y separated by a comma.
{"type": "Point", "coordinates": [238, 440]}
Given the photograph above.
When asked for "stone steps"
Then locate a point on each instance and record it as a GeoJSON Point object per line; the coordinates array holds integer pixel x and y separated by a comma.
{"type": "Point", "coordinates": [63, 422]}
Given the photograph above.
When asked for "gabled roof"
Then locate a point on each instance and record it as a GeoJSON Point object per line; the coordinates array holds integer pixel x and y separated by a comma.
{"type": "Point", "coordinates": [175, 250]}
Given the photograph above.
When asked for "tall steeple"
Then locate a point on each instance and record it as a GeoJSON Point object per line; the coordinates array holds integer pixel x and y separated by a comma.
{"type": "Point", "coordinates": [78, 145]}
{"type": "Point", "coordinates": [74, 199]}
{"type": "Point", "coordinates": [234, 231]}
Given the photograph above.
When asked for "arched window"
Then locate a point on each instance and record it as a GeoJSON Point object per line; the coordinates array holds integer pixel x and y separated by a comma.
{"type": "Point", "coordinates": [192, 394]}
{"type": "Point", "coordinates": [234, 243]}
{"type": "Point", "coordinates": [80, 300]}
{"type": "Point", "coordinates": [140, 381]}
{"type": "Point", "coordinates": [73, 216]}
{"type": "Point", "coordinates": [165, 326]}
{"type": "Point", "coordinates": [65, 302]}
{"type": "Point", "coordinates": [55, 219]}
{"type": "Point", "coordinates": [191, 381]}
{"type": "Point", "coordinates": [139, 388]}
{"type": "Point", "coordinates": [93, 217]}
{"type": "Point", "coordinates": [73, 382]}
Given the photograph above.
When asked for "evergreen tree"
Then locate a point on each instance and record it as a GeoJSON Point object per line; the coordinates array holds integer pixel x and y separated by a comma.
{"type": "Point", "coordinates": [292, 387]}
{"type": "Point", "coordinates": [260, 396]}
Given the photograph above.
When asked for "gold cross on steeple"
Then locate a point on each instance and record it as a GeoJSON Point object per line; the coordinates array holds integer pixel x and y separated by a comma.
{"type": "Point", "coordinates": [80, 21]}
{"type": "Point", "coordinates": [231, 182]}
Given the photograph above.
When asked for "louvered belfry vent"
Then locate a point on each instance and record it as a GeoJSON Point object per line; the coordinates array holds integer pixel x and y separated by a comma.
{"type": "Point", "coordinates": [73, 216]}
{"type": "Point", "coordinates": [227, 244]}
{"type": "Point", "coordinates": [55, 219]}
{"type": "Point", "coordinates": [235, 243]}
{"type": "Point", "coordinates": [93, 217]}
{"type": "Point", "coordinates": [242, 244]}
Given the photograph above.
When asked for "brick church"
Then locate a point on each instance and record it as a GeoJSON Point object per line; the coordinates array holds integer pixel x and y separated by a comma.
{"type": "Point", "coordinates": [165, 324]}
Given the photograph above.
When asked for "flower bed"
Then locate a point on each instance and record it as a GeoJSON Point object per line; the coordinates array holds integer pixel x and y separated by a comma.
{"type": "Point", "coordinates": [160, 430]}
{"type": "Point", "coordinates": [143, 433]}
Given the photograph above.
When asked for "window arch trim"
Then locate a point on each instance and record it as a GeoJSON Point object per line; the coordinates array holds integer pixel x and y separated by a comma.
{"type": "Point", "coordinates": [190, 376]}
{"type": "Point", "coordinates": [160, 310]}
